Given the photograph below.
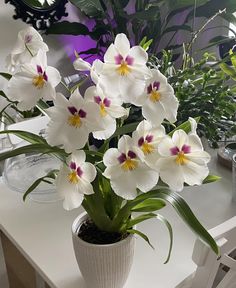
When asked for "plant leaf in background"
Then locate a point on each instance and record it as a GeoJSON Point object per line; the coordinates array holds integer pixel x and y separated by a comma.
{"type": "Point", "coordinates": [91, 8]}
{"type": "Point", "coordinates": [66, 27]}
{"type": "Point", "coordinates": [51, 175]}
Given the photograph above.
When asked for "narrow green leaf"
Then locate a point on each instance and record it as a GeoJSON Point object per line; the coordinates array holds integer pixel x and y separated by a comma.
{"type": "Point", "coordinates": [143, 41]}
{"type": "Point", "coordinates": [233, 58]}
{"type": "Point", "coordinates": [149, 205]}
{"type": "Point", "coordinates": [91, 8]}
{"type": "Point", "coordinates": [147, 44]}
{"type": "Point", "coordinates": [177, 28]}
{"type": "Point", "coordinates": [186, 214]}
{"type": "Point", "coordinates": [186, 126]}
{"type": "Point", "coordinates": [5, 75]}
{"type": "Point", "coordinates": [228, 70]}
{"type": "Point", "coordinates": [43, 105]}
{"type": "Point", "coordinates": [52, 175]}
{"type": "Point", "coordinates": [28, 136]}
{"type": "Point", "coordinates": [211, 178]}
{"type": "Point", "coordinates": [125, 129]}
{"type": "Point", "coordinates": [139, 219]}
{"type": "Point", "coordinates": [34, 148]}
{"type": "Point", "coordinates": [168, 226]}
{"type": "Point", "coordinates": [139, 233]}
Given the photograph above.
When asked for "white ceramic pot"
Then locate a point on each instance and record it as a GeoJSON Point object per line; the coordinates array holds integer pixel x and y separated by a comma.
{"type": "Point", "coordinates": [103, 266]}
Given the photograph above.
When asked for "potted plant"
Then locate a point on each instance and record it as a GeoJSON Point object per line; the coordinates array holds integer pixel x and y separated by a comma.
{"type": "Point", "coordinates": [138, 168]}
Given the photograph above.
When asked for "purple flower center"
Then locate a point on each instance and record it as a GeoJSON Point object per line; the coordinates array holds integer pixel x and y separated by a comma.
{"type": "Point", "coordinates": [73, 110]}
{"type": "Point", "coordinates": [97, 99]}
{"type": "Point", "coordinates": [140, 141]}
{"type": "Point", "coordinates": [28, 38]}
{"type": "Point", "coordinates": [155, 86]}
{"type": "Point", "coordinates": [76, 168]}
{"type": "Point", "coordinates": [73, 165]}
{"type": "Point", "coordinates": [82, 113]}
{"type": "Point", "coordinates": [106, 102]}
{"type": "Point", "coordinates": [42, 73]}
{"type": "Point", "coordinates": [79, 171]}
{"type": "Point", "coordinates": [122, 158]}
{"type": "Point", "coordinates": [120, 60]}
{"type": "Point", "coordinates": [185, 149]}
{"type": "Point", "coordinates": [148, 139]}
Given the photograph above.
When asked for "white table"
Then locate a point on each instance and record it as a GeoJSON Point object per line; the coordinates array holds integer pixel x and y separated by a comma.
{"type": "Point", "coordinates": [42, 234]}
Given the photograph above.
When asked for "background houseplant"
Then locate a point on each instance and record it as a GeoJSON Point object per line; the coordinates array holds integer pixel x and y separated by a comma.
{"type": "Point", "coordinates": [159, 21]}
{"type": "Point", "coordinates": [109, 182]}
{"type": "Point", "coordinates": [202, 89]}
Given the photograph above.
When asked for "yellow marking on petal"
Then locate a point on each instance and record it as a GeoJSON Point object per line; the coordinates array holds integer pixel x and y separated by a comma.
{"type": "Point", "coordinates": [147, 148]}
{"type": "Point", "coordinates": [129, 164]}
{"type": "Point", "coordinates": [181, 159]}
{"type": "Point", "coordinates": [73, 178]}
{"type": "Point", "coordinates": [103, 111]}
{"type": "Point", "coordinates": [155, 96]}
{"type": "Point", "coordinates": [38, 81]}
{"type": "Point", "coordinates": [75, 121]}
{"type": "Point", "coordinates": [123, 69]}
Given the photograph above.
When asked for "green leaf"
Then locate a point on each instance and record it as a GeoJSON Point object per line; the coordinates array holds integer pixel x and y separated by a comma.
{"type": "Point", "coordinates": [125, 129]}
{"type": "Point", "coordinates": [52, 175]}
{"type": "Point", "coordinates": [91, 8]}
{"type": "Point", "coordinates": [150, 14]}
{"type": "Point", "coordinates": [186, 126]}
{"type": "Point", "coordinates": [28, 136]}
{"type": "Point", "coordinates": [149, 205]}
{"type": "Point", "coordinates": [147, 44]}
{"type": "Point", "coordinates": [186, 214]}
{"type": "Point", "coordinates": [233, 58]}
{"type": "Point", "coordinates": [71, 28]}
{"type": "Point", "coordinates": [43, 105]}
{"type": "Point", "coordinates": [134, 231]}
{"type": "Point", "coordinates": [177, 4]}
{"type": "Point", "coordinates": [6, 75]}
{"type": "Point", "coordinates": [34, 148]}
{"type": "Point", "coordinates": [228, 70]}
{"type": "Point", "coordinates": [211, 178]}
{"type": "Point", "coordinates": [177, 28]}
{"type": "Point", "coordinates": [140, 219]}
{"type": "Point", "coordinates": [168, 226]}
{"type": "Point", "coordinates": [143, 41]}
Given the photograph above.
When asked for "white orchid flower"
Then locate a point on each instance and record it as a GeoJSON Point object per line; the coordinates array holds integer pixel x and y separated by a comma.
{"type": "Point", "coordinates": [71, 121]}
{"type": "Point", "coordinates": [29, 43]}
{"type": "Point", "coordinates": [110, 109]}
{"type": "Point", "coordinates": [124, 69]}
{"type": "Point", "coordinates": [74, 180]}
{"type": "Point", "coordinates": [147, 138]}
{"type": "Point", "coordinates": [158, 101]}
{"type": "Point", "coordinates": [127, 171]}
{"type": "Point", "coordinates": [34, 81]}
{"type": "Point", "coordinates": [182, 160]}
{"type": "Point", "coordinates": [81, 65]}
{"type": "Point", "coordinates": [94, 69]}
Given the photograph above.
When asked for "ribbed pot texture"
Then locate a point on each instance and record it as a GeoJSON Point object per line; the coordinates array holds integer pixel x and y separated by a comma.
{"type": "Point", "coordinates": [103, 266]}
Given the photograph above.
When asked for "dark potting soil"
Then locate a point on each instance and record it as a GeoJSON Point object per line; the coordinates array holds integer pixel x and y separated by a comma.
{"type": "Point", "coordinates": [90, 233]}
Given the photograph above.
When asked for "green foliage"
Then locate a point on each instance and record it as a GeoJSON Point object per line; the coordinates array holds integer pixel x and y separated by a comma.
{"type": "Point", "coordinates": [110, 212]}
{"type": "Point", "coordinates": [111, 18]}
{"type": "Point", "coordinates": [50, 176]}
{"type": "Point", "coordinates": [202, 90]}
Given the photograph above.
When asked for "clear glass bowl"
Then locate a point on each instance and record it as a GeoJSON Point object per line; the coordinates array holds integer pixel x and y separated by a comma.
{"type": "Point", "coordinates": [21, 171]}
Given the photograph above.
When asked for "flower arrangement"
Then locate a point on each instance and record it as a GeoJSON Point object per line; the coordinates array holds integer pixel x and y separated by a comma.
{"type": "Point", "coordinates": [138, 167]}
